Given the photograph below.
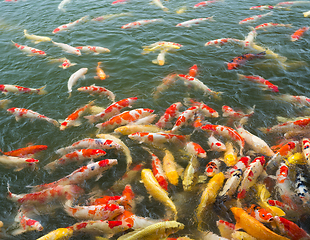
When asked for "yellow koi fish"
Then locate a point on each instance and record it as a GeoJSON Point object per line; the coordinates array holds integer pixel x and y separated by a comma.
{"type": "Point", "coordinates": [58, 234]}
{"type": "Point", "coordinates": [130, 129]}
{"type": "Point", "coordinates": [36, 38]}
{"type": "Point", "coordinates": [169, 167]}
{"type": "Point", "coordinates": [230, 155]}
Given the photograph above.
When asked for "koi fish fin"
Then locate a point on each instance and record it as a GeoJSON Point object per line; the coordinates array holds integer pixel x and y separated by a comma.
{"type": "Point", "coordinates": [76, 123]}
{"type": "Point", "coordinates": [263, 129]}
{"type": "Point", "coordinates": [18, 231]}
{"type": "Point", "coordinates": [50, 167]}
{"type": "Point", "coordinates": [4, 103]}
{"type": "Point", "coordinates": [69, 95]}
{"type": "Point", "coordinates": [18, 169]}
{"type": "Point", "coordinates": [99, 176]}
{"type": "Point", "coordinates": [17, 118]}
{"type": "Point", "coordinates": [41, 90]}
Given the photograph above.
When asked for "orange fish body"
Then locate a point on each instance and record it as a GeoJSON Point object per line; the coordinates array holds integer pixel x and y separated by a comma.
{"type": "Point", "coordinates": [241, 60]}
{"type": "Point", "coordinates": [100, 73]}
{"type": "Point", "coordinates": [26, 151]}
{"type": "Point", "coordinates": [298, 34]}
{"type": "Point", "coordinates": [193, 71]}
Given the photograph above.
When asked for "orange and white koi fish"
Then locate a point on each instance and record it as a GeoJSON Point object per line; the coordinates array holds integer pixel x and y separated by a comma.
{"type": "Point", "coordinates": [31, 51]}
{"type": "Point", "coordinates": [225, 228]}
{"type": "Point", "coordinates": [93, 89]}
{"type": "Point", "coordinates": [242, 164]}
{"type": "Point", "coordinates": [241, 60]}
{"type": "Point", "coordinates": [254, 18]}
{"type": "Point", "coordinates": [262, 7]}
{"type": "Point", "coordinates": [191, 81]}
{"type": "Point", "coordinates": [168, 81]}
{"type": "Point", "coordinates": [170, 168]}
{"type": "Point", "coordinates": [58, 234]}
{"type": "Point", "coordinates": [195, 149]}
{"type": "Point", "coordinates": [75, 77]}
{"type": "Point", "coordinates": [204, 109]}
{"type": "Point", "coordinates": [250, 175]}
{"type": "Point", "coordinates": [160, 5]}
{"type": "Point", "coordinates": [291, 229]}
{"type": "Point", "coordinates": [69, 25]}
{"type": "Point", "coordinates": [266, 85]}
{"type": "Point", "coordinates": [112, 110]}
{"type": "Point", "coordinates": [306, 149]}
{"type": "Point", "coordinates": [22, 152]}
{"type": "Point", "coordinates": [170, 113]}
{"type": "Point", "coordinates": [6, 88]}
{"type": "Point", "coordinates": [73, 118]}
{"type": "Point", "coordinates": [100, 73]}
{"type": "Point", "coordinates": [93, 49]}
{"type": "Point", "coordinates": [184, 118]}
{"type": "Point", "coordinates": [232, 183]}
{"type": "Point", "coordinates": [140, 23]}
{"type": "Point", "coordinates": [119, 2]}
{"type": "Point", "coordinates": [204, 3]}
{"type": "Point", "coordinates": [59, 192]}
{"type": "Point", "coordinates": [125, 118]}
{"type": "Point", "coordinates": [253, 226]}
{"type": "Point", "coordinates": [299, 101]}
{"type": "Point", "coordinates": [17, 162]}
{"type": "Point", "coordinates": [67, 48]}
{"type": "Point", "coordinates": [301, 189]}
{"type": "Point", "coordinates": [260, 214]}
{"type": "Point", "coordinates": [270, 24]}
{"type": "Point", "coordinates": [93, 212]}
{"type": "Point", "coordinates": [81, 174]}
{"type": "Point", "coordinates": [220, 42]}
{"type": "Point", "coordinates": [189, 23]}
{"type": "Point", "coordinates": [156, 191]}
{"type": "Point", "coordinates": [27, 113]}
{"type": "Point", "coordinates": [89, 143]}
{"type": "Point", "coordinates": [25, 224]}
{"type": "Point", "coordinates": [225, 132]}
{"type": "Point", "coordinates": [299, 33]}
{"type": "Point", "coordinates": [65, 62]}
{"type": "Point", "coordinates": [36, 38]}
{"type": "Point", "coordinates": [216, 145]}
{"type": "Point", "coordinates": [229, 112]}
{"type": "Point", "coordinates": [288, 126]}
{"type": "Point", "coordinates": [77, 156]}
{"type": "Point", "coordinates": [213, 167]}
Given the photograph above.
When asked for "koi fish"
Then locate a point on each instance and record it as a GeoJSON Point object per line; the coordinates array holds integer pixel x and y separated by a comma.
{"type": "Point", "coordinates": [65, 62]}
{"type": "Point", "coordinates": [140, 23]}
{"type": "Point", "coordinates": [292, 3]}
{"type": "Point", "coordinates": [241, 60]}
{"type": "Point", "coordinates": [67, 48]}
{"type": "Point", "coordinates": [111, 16]}
{"type": "Point", "coordinates": [263, 82]}
{"type": "Point", "coordinates": [260, 214]}
{"type": "Point", "coordinates": [21, 152]}
{"type": "Point", "coordinates": [26, 224]}
{"type": "Point", "coordinates": [81, 174]}
{"type": "Point", "coordinates": [213, 167]}
{"type": "Point", "coordinates": [36, 38]}
{"type": "Point", "coordinates": [6, 88]}
{"type": "Point", "coordinates": [169, 167]}
{"type": "Point", "coordinates": [130, 129]}
{"type": "Point", "coordinates": [216, 145]}
{"type": "Point", "coordinates": [204, 3]}
{"type": "Point", "coordinates": [193, 70]}
{"type": "Point", "coordinates": [269, 54]}
{"type": "Point", "coordinates": [31, 51]}
{"type": "Point", "coordinates": [62, 4]}
{"type": "Point", "coordinates": [161, 46]}
{"type": "Point", "coordinates": [89, 143]}
{"type": "Point", "coordinates": [184, 118]}
{"type": "Point", "coordinates": [112, 110]}
{"type": "Point", "coordinates": [190, 177]}
{"type": "Point", "coordinates": [188, 80]}
{"type": "Point", "coordinates": [226, 132]}
{"type": "Point", "coordinates": [242, 164]}
{"type": "Point", "coordinates": [168, 81]}
{"type": "Point", "coordinates": [60, 233]}
{"type": "Point", "coordinates": [189, 23]}
{"type": "Point", "coordinates": [73, 118]}
{"type": "Point", "coordinates": [249, 39]}
{"type": "Point", "coordinates": [93, 89]}
{"type": "Point", "coordinates": [291, 229]}
{"type": "Point", "coordinates": [100, 73]}
{"type": "Point", "coordinates": [93, 49]}
{"type": "Point", "coordinates": [4, 103]}
{"type": "Point", "coordinates": [204, 109]}
{"type": "Point", "coordinates": [17, 162]}
{"type": "Point", "coordinates": [75, 77]}
{"type": "Point", "coordinates": [299, 33]}
{"type": "Point", "coordinates": [160, 58]}
{"type": "Point", "coordinates": [220, 42]}
{"type": "Point", "coordinates": [27, 113]}
{"type": "Point", "coordinates": [262, 7]}
{"type": "Point", "coordinates": [170, 113]}
{"type": "Point", "coordinates": [306, 14]}
{"type": "Point", "coordinates": [156, 191]}
{"type": "Point", "coordinates": [230, 155]}
{"type": "Point", "coordinates": [119, 2]}
{"type": "Point", "coordinates": [160, 5]}
{"type": "Point", "coordinates": [270, 24]}
{"type": "Point", "coordinates": [253, 226]}
{"type": "Point", "coordinates": [125, 118]}
{"type": "Point", "coordinates": [299, 101]}
{"type": "Point", "coordinates": [69, 25]}
{"type": "Point", "coordinates": [254, 18]}
{"type": "Point", "coordinates": [229, 112]}
{"type": "Point", "coordinates": [287, 126]}
{"type": "Point", "coordinates": [301, 188]}
{"type": "Point", "coordinates": [306, 149]}
{"type": "Point", "coordinates": [77, 156]}
{"type": "Point", "coordinates": [232, 183]}
{"type": "Point", "coordinates": [195, 149]}
{"type": "Point", "coordinates": [225, 228]}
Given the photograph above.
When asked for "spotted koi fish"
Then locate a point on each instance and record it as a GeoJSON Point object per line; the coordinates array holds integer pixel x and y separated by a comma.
{"type": "Point", "coordinates": [225, 228]}
{"type": "Point", "coordinates": [232, 183]}
{"type": "Point", "coordinates": [195, 149]}
{"type": "Point", "coordinates": [167, 82]}
{"type": "Point", "coordinates": [242, 164]}
{"type": "Point", "coordinates": [291, 229]}
{"type": "Point", "coordinates": [170, 113]}
{"type": "Point", "coordinates": [204, 3]}
{"type": "Point", "coordinates": [231, 113]}
{"type": "Point", "coordinates": [65, 62]}
{"type": "Point", "coordinates": [93, 89]}
{"type": "Point", "coordinates": [31, 51]}
{"type": "Point", "coordinates": [184, 118]}
{"type": "Point", "coordinates": [125, 118]}
{"type": "Point", "coordinates": [69, 25]}
{"type": "Point", "coordinates": [301, 189]}
{"type": "Point", "coordinates": [26, 224]}
{"type": "Point", "coordinates": [140, 23]}
{"type": "Point", "coordinates": [270, 24]}
{"type": "Point", "coordinates": [81, 174]}
{"type": "Point", "coordinates": [191, 22]}
{"type": "Point", "coordinates": [213, 167]}
{"type": "Point", "coordinates": [216, 145]}
{"type": "Point", "coordinates": [93, 49]}
{"type": "Point", "coordinates": [112, 110]}
{"type": "Point", "coordinates": [222, 41]}
{"type": "Point", "coordinates": [254, 18]}
{"type": "Point", "coordinates": [288, 126]}
{"type": "Point", "coordinates": [260, 214]}
{"type": "Point", "coordinates": [22, 152]}
{"type": "Point", "coordinates": [299, 33]}
{"type": "Point", "coordinates": [263, 82]}
{"type": "Point", "coordinates": [241, 60]}
{"type": "Point", "coordinates": [6, 88]}
{"type": "Point", "coordinates": [204, 109]}
{"type": "Point", "coordinates": [18, 163]}
{"type": "Point", "coordinates": [262, 7]}
{"type": "Point", "coordinates": [306, 149]}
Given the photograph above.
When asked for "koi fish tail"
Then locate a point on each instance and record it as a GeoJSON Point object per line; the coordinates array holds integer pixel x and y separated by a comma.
{"type": "Point", "coordinates": [165, 9]}
{"type": "Point", "coordinates": [240, 76]}
{"type": "Point", "coordinates": [90, 118]}
{"type": "Point", "coordinates": [217, 95]}
{"type": "Point", "coordinates": [50, 167]}
{"type": "Point", "coordinates": [25, 31]}
{"type": "Point", "coordinates": [263, 129]}
{"type": "Point", "coordinates": [212, 19]}
{"type": "Point", "coordinates": [55, 122]}
{"type": "Point", "coordinates": [5, 103]}
{"type": "Point", "coordinates": [41, 90]}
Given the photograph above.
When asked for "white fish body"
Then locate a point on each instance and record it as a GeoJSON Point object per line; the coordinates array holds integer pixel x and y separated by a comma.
{"type": "Point", "coordinates": [159, 4]}
{"type": "Point", "coordinates": [189, 23]}
{"type": "Point", "coordinates": [68, 48]}
{"type": "Point", "coordinates": [74, 77]}
{"type": "Point", "coordinates": [62, 4]}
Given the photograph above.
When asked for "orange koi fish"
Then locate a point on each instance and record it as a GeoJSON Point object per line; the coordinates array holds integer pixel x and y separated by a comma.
{"type": "Point", "coordinates": [241, 60]}
{"type": "Point", "coordinates": [299, 33]}
{"type": "Point", "coordinates": [93, 89]}
{"type": "Point", "coordinates": [265, 83]}
{"type": "Point", "coordinates": [6, 88]}
{"type": "Point", "coordinates": [31, 51]}
{"type": "Point", "coordinates": [100, 73]}
{"type": "Point", "coordinates": [21, 152]}
{"type": "Point", "coordinates": [170, 113]}
{"type": "Point", "coordinates": [260, 214]}
{"type": "Point", "coordinates": [193, 70]}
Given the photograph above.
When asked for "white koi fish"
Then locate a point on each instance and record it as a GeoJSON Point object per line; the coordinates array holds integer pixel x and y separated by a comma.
{"type": "Point", "coordinates": [93, 49]}
{"type": "Point", "coordinates": [31, 51]}
{"type": "Point", "coordinates": [254, 18]}
{"type": "Point", "coordinates": [140, 23]}
{"type": "Point", "coordinates": [249, 39]}
{"type": "Point", "coordinates": [161, 46]}
{"type": "Point", "coordinates": [216, 145]}
{"type": "Point", "coordinates": [74, 77]}
{"type": "Point", "coordinates": [17, 162]}
{"type": "Point", "coordinates": [62, 4]}
{"type": "Point", "coordinates": [6, 88]}
{"type": "Point", "coordinates": [189, 23]}
{"type": "Point", "coordinates": [306, 149]}
{"type": "Point", "coordinates": [159, 4]}
{"type": "Point", "coordinates": [69, 25]}
{"type": "Point", "coordinates": [36, 38]}
{"type": "Point", "coordinates": [160, 58]}
{"type": "Point", "coordinates": [232, 183]}
{"type": "Point", "coordinates": [67, 48]}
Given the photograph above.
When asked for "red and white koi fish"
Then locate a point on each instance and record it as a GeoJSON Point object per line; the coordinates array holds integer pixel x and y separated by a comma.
{"type": "Point", "coordinates": [191, 81]}
{"type": "Point", "coordinates": [140, 23]}
{"type": "Point", "coordinates": [241, 60]}
{"type": "Point", "coordinates": [195, 149]}
{"type": "Point", "coordinates": [213, 167]}
{"type": "Point", "coordinates": [232, 183]}
{"type": "Point", "coordinates": [112, 110]}
{"type": "Point", "coordinates": [299, 101]}
{"type": "Point", "coordinates": [160, 5]}
{"type": "Point", "coordinates": [6, 88]}
{"type": "Point", "coordinates": [22, 152]}
{"type": "Point", "coordinates": [229, 112]}
{"type": "Point", "coordinates": [291, 229]}
{"type": "Point", "coordinates": [17, 162]}
{"type": "Point", "coordinates": [145, 120]}
{"type": "Point", "coordinates": [81, 174]}
{"type": "Point", "coordinates": [168, 81]}
{"type": "Point", "coordinates": [77, 156]}
{"type": "Point", "coordinates": [288, 126]}
{"type": "Point", "coordinates": [93, 212]}
{"type": "Point", "coordinates": [270, 24]}
{"type": "Point", "coordinates": [301, 189]}
{"type": "Point", "coordinates": [250, 176]}
{"type": "Point", "coordinates": [306, 149]}
{"type": "Point", "coordinates": [262, 7]}
{"type": "Point", "coordinates": [65, 62]}
{"type": "Point", "coordinates": [299, 33]}
{"type": "Point", "coordinates": [31, 51]}
{"type": "Point", "coordinates": [204, 3]}
{"type": "Point", "coordinates": [263, 82]}
{"type": "Point", "coordinates": [93, 89]}
{"type": "Point", "coordinates": [125, 118]}
{"type": "Point", "coordinates": [119, 2]}
{"type": "Point", "coordinates": [291, 3]}
{"type": "Point", "coordinates": [93, 49]}
{"type": "Point", "coordinates": [67, 48]}
{"type": "Point", "coordinates": [27, 113]}
{"type": "Point", "coordinates": [216, 145]}
{"type": "Point", "coordinates": [26, 224]}
{"type": "Point", "coordinates": [36, 38]}
{"type": "Point", "coordinates": [287, 208]}
{"type": "Point", "coordinates": [189, 23]}
{"type": "Point", "coordinates": [73, 118]}
{"type": "Point", "coordinates": [225, 228]}
{"type": "Point", "coordinates": [220, 42]}
{"type": "Point", "coordinates": [184, 118]}
{"type": "Point", "coordinates": [170, 113]}
{"type": "Point", "coordinates": [225, 132]}
{"type": "Point", "coordinates": [69, 25]}
{"type": "Point", "coordinates": [260, 214]}
{"type": "Point", "coordinates": [75, 77]}
{"type": "Point", "coordinates": [89, 143]}
{"type": "Point", "coordinates": [204, 109]}
{"type": "Point", "coordinates": [193, 70]}
{"type": "Point", "coordinates": [254, 18]}
{"type": "Point", "coordinates": [249, 39]}
{"type": "Point", "coordinates": [242, 164]}
{"type": "Point", "coordinates": [59, 192]}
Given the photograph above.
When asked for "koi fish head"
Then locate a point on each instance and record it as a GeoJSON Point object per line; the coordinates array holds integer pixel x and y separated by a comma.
{"type": "Point", "coordinates": [11, 110]}
{"type": "Point", "coordinates": [260, 214]}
